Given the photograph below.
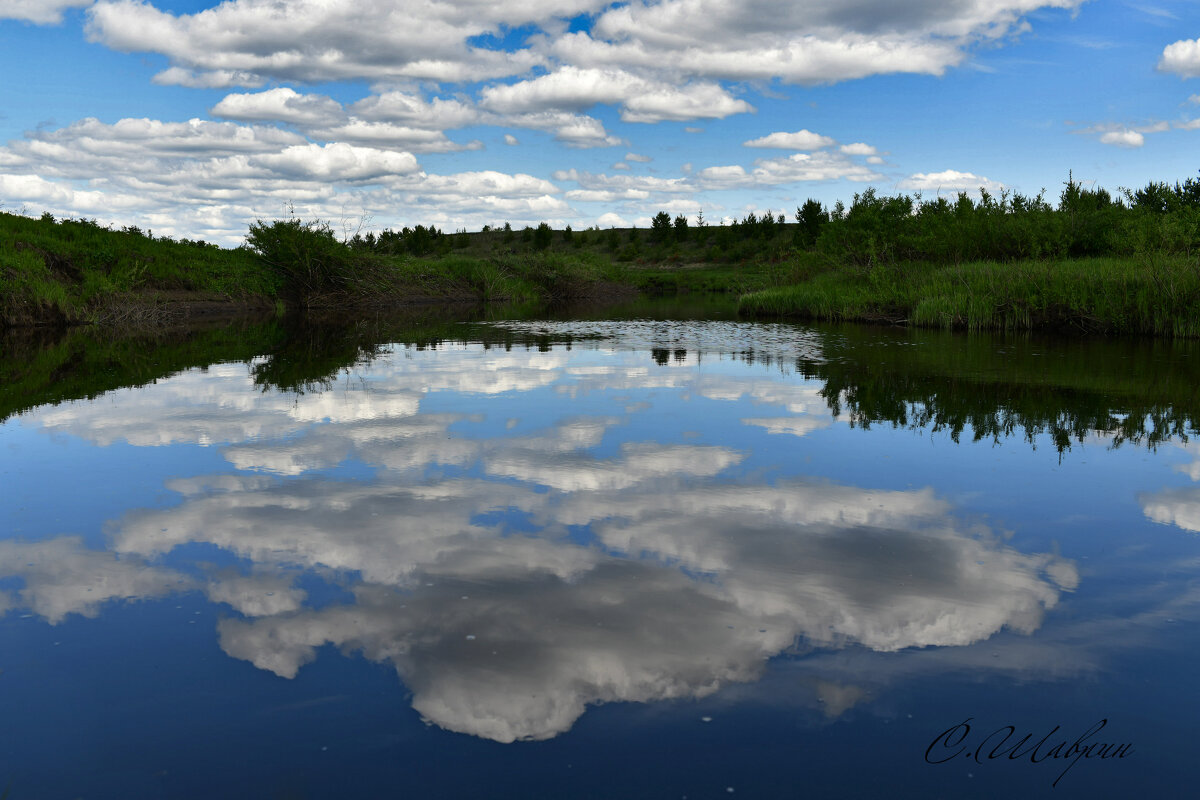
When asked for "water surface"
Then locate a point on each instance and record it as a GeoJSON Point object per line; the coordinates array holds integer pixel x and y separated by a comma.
{"type": "Point", "coordinates": [597, 558]}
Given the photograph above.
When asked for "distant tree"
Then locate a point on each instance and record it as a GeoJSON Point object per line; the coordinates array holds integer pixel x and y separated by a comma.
{"type": "Point", "coordinates": [660, 226]}
{"type": "Point", "coordinates": [542, 236]}
{"type": "Point", "coordinates": [810, 217]}
{"type": "Point", "coordinates": [681, 228]}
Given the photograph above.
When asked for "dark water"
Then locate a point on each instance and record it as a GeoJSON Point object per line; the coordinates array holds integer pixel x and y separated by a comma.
{"type": "Point", "coordinates": [585, 558]}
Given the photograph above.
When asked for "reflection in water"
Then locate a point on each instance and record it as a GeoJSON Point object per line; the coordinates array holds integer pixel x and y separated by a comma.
{"type": "Point", "coordinates": [694, 584]}
{"type": "Point", "coordinates": [531, 539]}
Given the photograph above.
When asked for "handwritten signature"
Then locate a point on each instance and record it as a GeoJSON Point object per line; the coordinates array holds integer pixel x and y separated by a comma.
{"type": "Point", "coordinates": [952, 743]}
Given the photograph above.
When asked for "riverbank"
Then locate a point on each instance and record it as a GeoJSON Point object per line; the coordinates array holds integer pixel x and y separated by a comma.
{"type": "Point", "coordinates": [72, 272]}
{"type": "Point", "coordinates": [1156, 294]}
{"type": "Point", "coordinates": [1093, 264]}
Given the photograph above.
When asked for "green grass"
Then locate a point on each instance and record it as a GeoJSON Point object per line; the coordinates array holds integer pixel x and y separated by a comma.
{"type": "Point", "coordinates": [1152, 294]}
{"type": "Point", "coordinates": [883, 259]}
{"type": "Point", "coordinates": [69, 271]}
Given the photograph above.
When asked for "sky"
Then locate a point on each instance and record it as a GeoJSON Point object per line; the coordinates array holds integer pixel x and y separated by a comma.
{"type": "Point", "coordinates": [193, 118]}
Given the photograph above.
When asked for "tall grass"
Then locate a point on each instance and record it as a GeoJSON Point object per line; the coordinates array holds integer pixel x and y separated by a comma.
{"type": "Point", "coordinates": [66, 270]}
{"type": "Point", "coordinates": [1152, 294]}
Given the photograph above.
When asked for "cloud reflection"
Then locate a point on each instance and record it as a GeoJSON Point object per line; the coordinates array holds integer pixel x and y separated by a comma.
{"type": "Point", "coordinates": [583, 563]}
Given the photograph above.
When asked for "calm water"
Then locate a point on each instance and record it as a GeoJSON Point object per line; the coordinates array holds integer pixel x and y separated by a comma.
{"type": "Point", "coordinates": [598, 559]}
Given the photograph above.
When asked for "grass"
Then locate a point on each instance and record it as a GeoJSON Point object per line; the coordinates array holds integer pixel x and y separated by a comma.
{"type": "Point", "coordinates": [1093, 264]}
{"type": "Point", "coordinates": [1155, 294]}
{"type": "Point", "coordinates": [69, 271]}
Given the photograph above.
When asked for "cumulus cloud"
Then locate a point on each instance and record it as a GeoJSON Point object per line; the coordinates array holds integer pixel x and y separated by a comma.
{"type": "Point", "coordinates": [794, 426]}
{"type": "Point", "coordinates": [858, 149]}
{"type": "Point", "coordinates": [672, 60]}
{"type": "Point", "coordinates": [207, 79]}
{"type": "Point", "coordinates": [627, 624]}
{"type": "Point", "coordinates": [671, 43]}
{"type": "Point", "coordinates": [39, 12]}
{"type": "Point", "coordinates": [949, 180]}
{"type": "Point", "coordinates": [1123, 138]}
{"type": "Point", "coordinates": [819, 166]}
{"type": "Point", "coordinates": [578, 89]}
{"type": "Point", "coordinates": [1127, 136]}
{"type": "Point", "coordinates": [391, 136]}
{"type": "Point", "coordinates": [1180, 507]}
{"type": "Point", "coordinates": [313, 41]}
{"type": "Point", "coordinates": [62, 577]}
{"type": "Point", "coordinates": [436, 113]}
{"type": "Point", "coordinates": [1182, 58]}
{"type": "Point", "coordinates": [280, 105]}
{"type": "Point", "coordinates": [211, 179]}
{"type": "Point", "coordinates": [800, 140]}
{"type": "Point", "coordinates": [694, 101]}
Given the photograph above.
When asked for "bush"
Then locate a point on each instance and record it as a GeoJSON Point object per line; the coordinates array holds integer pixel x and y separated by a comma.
{"type": "Point", "coordinates": [306, 254]}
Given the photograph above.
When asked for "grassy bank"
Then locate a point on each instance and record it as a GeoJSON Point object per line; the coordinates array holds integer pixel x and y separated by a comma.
{"type": "Point", "coordinates": [1156, 294]}
{"type": "Point", "coordinates": [1093, 263]}
{"type": "Point", "coordinates": [78, 271]}
{"type": "Point", "coordinates": [75, 271]}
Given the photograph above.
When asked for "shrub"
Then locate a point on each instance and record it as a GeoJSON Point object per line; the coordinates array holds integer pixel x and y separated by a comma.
{"type": "Point", "coordinates": [306, 254]}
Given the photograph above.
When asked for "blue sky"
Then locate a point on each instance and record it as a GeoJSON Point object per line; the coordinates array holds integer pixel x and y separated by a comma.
{"type": "Point", "coordinates": [194, 118]}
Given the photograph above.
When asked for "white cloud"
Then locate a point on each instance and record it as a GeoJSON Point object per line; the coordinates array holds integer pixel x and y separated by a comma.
{"type": "Point", "coordinates": [280, 105]}
{"type": "Point", "coordinates": [511, 140]}
{"type": "Point", "coordinates": [1123, 138]}
{"type": "Point", "coordinates": [392, 136]}
{"type": "Point", "coordinates": [673, 42]}
{"type": "Point", "coordinates": [578, 89]}
{"type": "Point", "coordinates": [39, 12]}
{"type": "Point", "coordinates": [819, 166]}
{"type": "Point", "coordinates": [858, 149]}
{"type": "Point", "coordinates": [149, 137]}
{"type": "Point", "coordinates": [63, 577]}
{"type": "Point", "coordinates": [208, 79]}
{"type": "Point", "coordinates": [338, 161]}
{"type": "Point", "coordinates": [437, 113]}
{"type": "Point", "coordinates": [566, 89]}
{"type": "Point", "coordinates": [694, 101]}
{"type": "Point", "coordinates": [317, 40]}
{"type": "Point", "coordinates": [1128, 136]}
{"type": "Point", "coordinates": [794, 426]}
{"type": "Point", "coordinates": [573, 130]}
{"type": "Point", "coordinates": [638, 158]}
{"type": "Point", "coordinates": [611, 220]}
{"type": "Point", "coordinates": [211, 179]}
{"type": "Point", "coordinates": [1180, 507]}
{"type": "Point", "coordinates": [1182, 58]}
{"type": "Point", "coordinates": [950, 180]}
{"type": "Point", "coordinates": [800, 140]}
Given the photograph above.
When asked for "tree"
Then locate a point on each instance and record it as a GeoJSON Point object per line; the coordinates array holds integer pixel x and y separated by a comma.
{"type": "Point", "coordinates": [542, 236]}
{"type": "Point", "coordinates": [660, 226]}
{"type": "Point", "coordinates": [810, 216]}
{"type": "Point", "coordinates": [681, 228]}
